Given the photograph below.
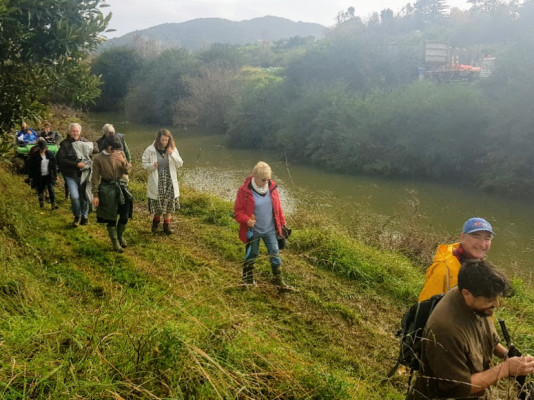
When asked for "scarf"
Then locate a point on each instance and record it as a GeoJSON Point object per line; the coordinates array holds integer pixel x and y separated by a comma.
{"type": "Point", "coordinates": [258, 189]}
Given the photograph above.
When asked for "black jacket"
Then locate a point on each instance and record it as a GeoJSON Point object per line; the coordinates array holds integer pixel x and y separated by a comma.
{"type": "Point", "coordinates": [34, 165]}
{"type": "Point", "coordinates": [67, 159]}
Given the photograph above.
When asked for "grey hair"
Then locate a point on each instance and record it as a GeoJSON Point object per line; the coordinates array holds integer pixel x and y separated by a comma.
{"type": "Point", "coordinates": [75, 124]}
{"type": "Point", "coordinates": [107, 129]}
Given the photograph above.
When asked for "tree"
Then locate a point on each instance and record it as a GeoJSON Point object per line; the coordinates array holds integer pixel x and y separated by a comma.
{"type": "Point", "coordinates": [485, 5]}
{"type": "Point", "coordinates": [42, 45]}
{"type": "Point", "coordinates": [159, 86]}
{"type": "Point", "coordinates": [431, 9]}
{"type": "Point", "coordinates": [344, 16]}
{"type": "Point", "coordinates": [211, 93]}
{"type": "Point", "coordinates": [117, 67]}
{"type": "Point", "coordinates": [253, 119]}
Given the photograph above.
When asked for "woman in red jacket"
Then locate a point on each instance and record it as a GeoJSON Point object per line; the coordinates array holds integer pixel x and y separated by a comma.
{"type": "Point", "coordinates": [259, 213]}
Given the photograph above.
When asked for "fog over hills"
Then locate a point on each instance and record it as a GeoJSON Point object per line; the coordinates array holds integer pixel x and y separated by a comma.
{"type": "Point", "coordinates": [202, 32]}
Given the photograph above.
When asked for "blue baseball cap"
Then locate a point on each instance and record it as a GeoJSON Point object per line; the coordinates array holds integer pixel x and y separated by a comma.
{"type": "Point", "coordinates": [477, 224]}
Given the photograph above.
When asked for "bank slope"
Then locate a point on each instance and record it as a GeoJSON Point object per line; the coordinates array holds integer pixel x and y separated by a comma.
{"type": "Point", "coordinates": [168, 318]}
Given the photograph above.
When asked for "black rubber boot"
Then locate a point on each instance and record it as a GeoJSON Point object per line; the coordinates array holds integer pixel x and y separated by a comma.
{"type": "Point", "coordinates": [120, 232]}
{"type": "Point", "coordinates": [112, 231]}
{"type": "Point", "coordinates": [279, 282]}
{"type": "Point", "coordinates": [248, 275]}
{"type": "Point", "coordinates": [155, 225]}
{"type": "Point", "coordinates": [167, 228]}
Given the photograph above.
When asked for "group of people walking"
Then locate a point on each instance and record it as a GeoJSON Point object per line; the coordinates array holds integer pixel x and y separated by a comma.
{"type": "Point", "coordinates": [459, 340]}
{"type": "Point", "coordinates": [97, 174]}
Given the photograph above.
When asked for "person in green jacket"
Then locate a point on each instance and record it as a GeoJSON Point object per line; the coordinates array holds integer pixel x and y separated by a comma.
{"type": "Point", "coordinates": [110, 191]}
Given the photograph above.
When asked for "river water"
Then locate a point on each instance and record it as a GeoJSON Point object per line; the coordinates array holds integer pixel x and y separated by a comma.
{"type": "Point", "coordinates": [211, 166]}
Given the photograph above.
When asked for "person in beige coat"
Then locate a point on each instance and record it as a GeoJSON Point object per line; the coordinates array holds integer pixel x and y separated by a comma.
{"type": "Point", "coordinates": [162, 159]}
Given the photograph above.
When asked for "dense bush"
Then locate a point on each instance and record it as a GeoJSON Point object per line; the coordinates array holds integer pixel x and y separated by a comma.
{"type": "Point", "coordinates": [117, 67]}
{"type": "Point", "coordinates": [159, 86]}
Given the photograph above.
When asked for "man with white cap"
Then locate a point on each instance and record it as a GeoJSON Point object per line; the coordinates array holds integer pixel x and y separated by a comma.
{"type": "Point", "coordinates": [442, 275]}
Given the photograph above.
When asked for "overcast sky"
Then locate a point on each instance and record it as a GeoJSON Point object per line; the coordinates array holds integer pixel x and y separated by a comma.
{"type": "Point", "coordinates": [132, 15]}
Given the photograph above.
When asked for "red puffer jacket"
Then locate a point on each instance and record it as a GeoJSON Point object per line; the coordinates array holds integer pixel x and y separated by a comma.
{"type": "Point", "coordinates": [244, 207]}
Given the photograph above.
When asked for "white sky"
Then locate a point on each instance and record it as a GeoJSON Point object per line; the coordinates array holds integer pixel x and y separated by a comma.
{"type": "Point", "coordinates": [131, 15]}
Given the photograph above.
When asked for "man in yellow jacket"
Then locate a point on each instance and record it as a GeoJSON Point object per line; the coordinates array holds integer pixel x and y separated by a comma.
{"type": "Point", "coordinates": [442, 275]}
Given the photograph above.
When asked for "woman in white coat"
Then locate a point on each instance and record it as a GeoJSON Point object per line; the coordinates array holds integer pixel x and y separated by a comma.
{"type": "Point", "coordinates": [162, 159]}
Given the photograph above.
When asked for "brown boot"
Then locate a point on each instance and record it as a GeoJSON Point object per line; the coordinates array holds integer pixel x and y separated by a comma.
{"type": "Point", "coordinates": [155, 225]}
{"type": "Point", "coordinates": [167, 228]}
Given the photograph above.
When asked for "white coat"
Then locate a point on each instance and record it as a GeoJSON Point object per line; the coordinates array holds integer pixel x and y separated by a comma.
{"type": "Point", "coordinates": [150, 156]}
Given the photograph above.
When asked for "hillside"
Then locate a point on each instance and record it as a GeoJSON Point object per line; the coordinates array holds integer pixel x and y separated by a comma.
{"type": "Point", "coordinates": [199, 33]}
{"type": "Point", "coordinates": [168, 318]}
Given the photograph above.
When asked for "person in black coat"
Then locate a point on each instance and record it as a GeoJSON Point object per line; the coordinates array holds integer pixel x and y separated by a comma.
{"type": "Point", "coordinates": [42, 171]}
{"type": "Point", "coordinates": [76, 170]}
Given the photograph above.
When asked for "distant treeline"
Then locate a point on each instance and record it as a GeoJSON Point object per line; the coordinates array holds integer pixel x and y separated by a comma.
{"type": "Point", "coordinates": [354, 102]}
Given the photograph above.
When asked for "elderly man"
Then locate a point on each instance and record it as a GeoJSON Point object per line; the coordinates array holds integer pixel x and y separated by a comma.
{"type": "Point", "coordinates": [442, 275]}
{"type": "Point", "coordinates": [108, 130]}
{"type": "Point", "coordinates": [74, 159]}
{"type": "Point", "coordinates": [460, 339]}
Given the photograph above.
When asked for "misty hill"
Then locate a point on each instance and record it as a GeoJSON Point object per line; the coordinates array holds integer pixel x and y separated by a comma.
{"type": "Point", "coordinates": [202, 32]}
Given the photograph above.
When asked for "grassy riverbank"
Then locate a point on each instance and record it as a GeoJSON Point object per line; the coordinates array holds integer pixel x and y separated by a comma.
{"type": "Point", "coordinates": [168, 318]}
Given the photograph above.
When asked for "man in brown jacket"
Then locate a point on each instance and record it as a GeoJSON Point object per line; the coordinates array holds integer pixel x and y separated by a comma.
{"type": "Point", "coordinates": [460, 339]}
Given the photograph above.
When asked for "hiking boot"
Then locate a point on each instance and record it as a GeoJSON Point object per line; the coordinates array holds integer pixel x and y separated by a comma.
{"type": "Point", "coordinates": [167, 228]}
{"type": "Point", "coordinates": [248, 285]}
{"type": "Point", "coordinates": [76, 221]}
{"type": "Point", "coordinates": [84, 221]}
{"type": "Point", "coordinates": [248, 275]}
{"type": "Point", "coordinates": [112, 231]}
{"type": "Point", "coordinates": [120, 232]}
{"type": "Point", "coordinates": [155, 224]}
{"type": "Point", "coordinates": [279, 282]}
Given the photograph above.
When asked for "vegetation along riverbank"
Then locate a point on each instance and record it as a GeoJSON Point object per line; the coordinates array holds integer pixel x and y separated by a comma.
{"type": "Point", "coordinates": [168, 318]}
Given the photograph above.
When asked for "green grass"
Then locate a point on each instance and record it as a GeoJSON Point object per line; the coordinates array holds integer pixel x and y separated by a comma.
{"type": "Point", "coordinates": [168, 319]}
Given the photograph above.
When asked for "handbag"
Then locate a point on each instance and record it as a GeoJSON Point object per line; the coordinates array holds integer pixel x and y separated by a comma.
{"type": "Point", "coordinates": [286, 232]}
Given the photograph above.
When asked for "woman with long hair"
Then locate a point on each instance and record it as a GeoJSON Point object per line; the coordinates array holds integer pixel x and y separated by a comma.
{"type": "Point", "coordinates": [162, 159]}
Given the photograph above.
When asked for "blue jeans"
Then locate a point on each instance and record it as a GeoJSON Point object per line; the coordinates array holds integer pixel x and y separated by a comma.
{"type": "Point", "coordinates": [253, 247]}
{"type": "Point", "coordinates": [78, 198]}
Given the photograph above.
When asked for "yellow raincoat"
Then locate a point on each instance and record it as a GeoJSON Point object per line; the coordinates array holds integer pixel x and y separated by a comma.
{"type": "Point", "coordinates": [442, 275]}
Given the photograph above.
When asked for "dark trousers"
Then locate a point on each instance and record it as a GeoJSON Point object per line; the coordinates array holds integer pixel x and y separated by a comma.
{"type": "Point", "coordinates": [46, 183]}
{"type": "Point", "coordinates": [123, 211]}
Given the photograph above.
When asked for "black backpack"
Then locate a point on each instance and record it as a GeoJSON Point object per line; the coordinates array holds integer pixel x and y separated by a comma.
{"type": "Point", "coordinates": [412, 326]}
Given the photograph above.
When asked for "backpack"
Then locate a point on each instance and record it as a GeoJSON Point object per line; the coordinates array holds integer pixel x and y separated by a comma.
{"type": "Point", "coordinates": [412, 326]}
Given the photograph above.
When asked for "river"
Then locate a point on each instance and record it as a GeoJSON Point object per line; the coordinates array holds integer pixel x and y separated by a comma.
{"type": "Point", "coordinates": [211, 166]}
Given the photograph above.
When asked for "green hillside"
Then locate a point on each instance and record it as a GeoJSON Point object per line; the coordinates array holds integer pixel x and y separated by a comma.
{"type": "Point", "coordinates": [168, 319]}
{"type": "Point", "coordinates": [202, 32]}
